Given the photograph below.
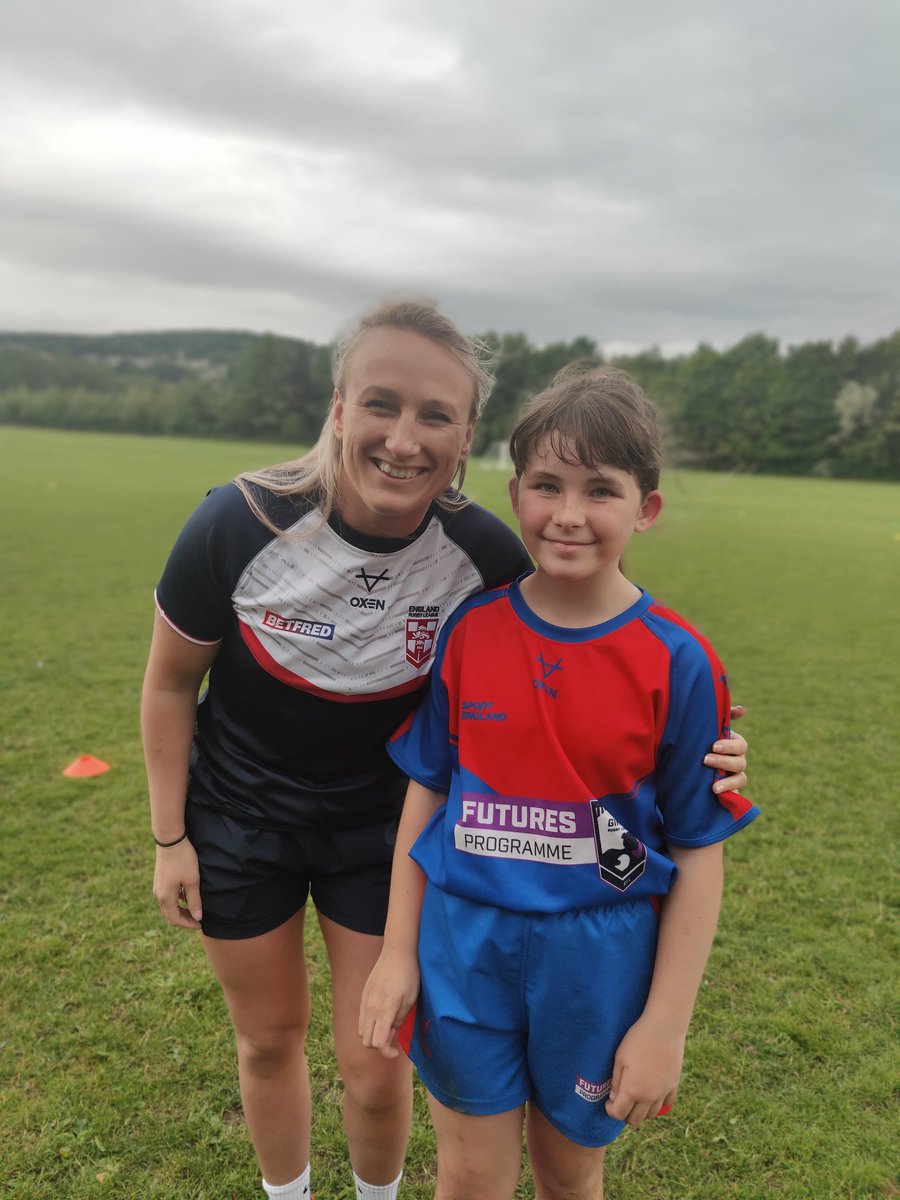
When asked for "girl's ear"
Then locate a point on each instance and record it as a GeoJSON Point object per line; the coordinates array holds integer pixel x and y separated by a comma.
{"type": "Point", "coordinates": [337, 413]}
{"type": "Point", "coordinates": [651, 507]}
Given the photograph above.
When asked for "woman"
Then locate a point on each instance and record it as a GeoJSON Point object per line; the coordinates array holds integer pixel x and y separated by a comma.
{"type": "Point", "coordinates": [313, 593]}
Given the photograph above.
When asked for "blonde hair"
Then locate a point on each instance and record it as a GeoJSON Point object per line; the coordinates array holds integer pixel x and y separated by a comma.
{"type": "Point", "coordinates": [591, 415]}
{"type": "Point", "coordinates": [316, 475]}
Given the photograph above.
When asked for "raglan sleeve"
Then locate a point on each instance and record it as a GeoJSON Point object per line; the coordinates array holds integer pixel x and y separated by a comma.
{"type": "Point", "coordinates": [194, 593]}
{"type": "Point", "coordinates": [699, 714]}
{"type": "Point", "coordinates": [425, 747]}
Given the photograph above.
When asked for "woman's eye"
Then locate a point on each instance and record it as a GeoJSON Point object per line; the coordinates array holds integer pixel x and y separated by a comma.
{"type": "Point", "coordinates": [437, 418]}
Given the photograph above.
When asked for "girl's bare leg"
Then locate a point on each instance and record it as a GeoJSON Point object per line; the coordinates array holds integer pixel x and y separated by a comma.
{"type": "Point", "coordinates": [562, 1169]}
{"type": "Point", "coordinates": [479, 1158]}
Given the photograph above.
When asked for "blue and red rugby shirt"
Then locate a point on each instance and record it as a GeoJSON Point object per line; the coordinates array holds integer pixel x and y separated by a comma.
{"type": "Point", "coordinates": [570, 757]}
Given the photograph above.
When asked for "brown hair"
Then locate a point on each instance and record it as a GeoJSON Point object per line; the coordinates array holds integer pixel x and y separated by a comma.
{"type": "Point", "coordinates": [316, 474]}
{"type": "Point", "coordinates": [592, 415]}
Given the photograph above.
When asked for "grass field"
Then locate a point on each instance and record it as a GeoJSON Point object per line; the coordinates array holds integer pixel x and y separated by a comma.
{"type": "Point", "coordinates": [117, 1076]}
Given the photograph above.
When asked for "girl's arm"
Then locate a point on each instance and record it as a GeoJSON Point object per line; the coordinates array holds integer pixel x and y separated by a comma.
{"type": "Point", "coordinates": [175, 671]}
{"type": "Point", "coordinates": [648, 1061]}
{"type": "Point", "coordinates": [393, 986]}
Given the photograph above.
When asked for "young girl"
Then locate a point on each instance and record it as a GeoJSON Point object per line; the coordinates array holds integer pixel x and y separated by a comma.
{"type": "Point", "coordinates": [558, 868]}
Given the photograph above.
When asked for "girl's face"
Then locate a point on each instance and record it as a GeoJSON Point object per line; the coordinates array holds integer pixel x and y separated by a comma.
{"type": "Point", "coordinates": [575, 520]}
{"type": "Point", "coordinates": [404, 420]}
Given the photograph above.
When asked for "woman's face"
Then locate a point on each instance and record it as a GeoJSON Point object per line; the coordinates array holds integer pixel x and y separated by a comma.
{"type": "Point", "coordinates": [404, 421]}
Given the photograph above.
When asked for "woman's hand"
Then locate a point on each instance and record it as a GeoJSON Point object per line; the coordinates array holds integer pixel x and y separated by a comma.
{"type": "Point", "coordinates": [176, 885]}
{"type": "Point", "coordinates": [390, 992]}
{"type": "Point", "coordinates": [730, 755]}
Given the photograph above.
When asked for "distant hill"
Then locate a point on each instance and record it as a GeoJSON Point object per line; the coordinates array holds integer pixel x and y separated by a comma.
{"type": "Point", "coordinates": [819, 408]}
{"type": "Point", "coordinates": [203, 382]}
{"type": "Point", "coordinates": [169, 354]}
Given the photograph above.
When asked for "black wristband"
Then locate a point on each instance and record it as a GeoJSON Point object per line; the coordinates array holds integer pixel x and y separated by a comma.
{"type": "Point", "coordinates": [168, 845]}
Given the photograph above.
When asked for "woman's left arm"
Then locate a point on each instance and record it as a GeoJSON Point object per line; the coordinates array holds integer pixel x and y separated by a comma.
{"type": "Point", "coordinates": [730, 755]}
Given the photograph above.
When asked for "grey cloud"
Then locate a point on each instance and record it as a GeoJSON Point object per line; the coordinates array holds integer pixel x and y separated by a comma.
{"type": "Point", "coordinates": [50, 233]}
{"type": "Point", "coordinates": [662, 171]}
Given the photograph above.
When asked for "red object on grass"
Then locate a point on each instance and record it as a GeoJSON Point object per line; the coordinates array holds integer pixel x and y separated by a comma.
{"type": "Point", "coordinates": [84, 766]}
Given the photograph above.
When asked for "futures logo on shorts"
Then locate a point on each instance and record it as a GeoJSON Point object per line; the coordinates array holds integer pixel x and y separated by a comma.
{"type": "Point", "coordinates": [592, 1092]}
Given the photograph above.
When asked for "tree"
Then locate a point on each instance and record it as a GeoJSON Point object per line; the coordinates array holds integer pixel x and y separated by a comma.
{"type": "Point", "coordinates": [270, 394]}
{"type": "Point", "coordinates": [867, 441]}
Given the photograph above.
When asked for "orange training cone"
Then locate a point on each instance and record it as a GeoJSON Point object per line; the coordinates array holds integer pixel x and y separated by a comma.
{"type": "Point", "coordinates": [84, 766]}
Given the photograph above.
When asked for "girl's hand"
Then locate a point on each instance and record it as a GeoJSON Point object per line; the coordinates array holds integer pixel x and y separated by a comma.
{"type": "Point", "coordinates": [176, 885]}
{"type": "Point", "coordinates": [646, 1072]}
{"type": "Point", "coordinates": [390, 992]}
{"type": "Point", "coordinates": [730, 755]}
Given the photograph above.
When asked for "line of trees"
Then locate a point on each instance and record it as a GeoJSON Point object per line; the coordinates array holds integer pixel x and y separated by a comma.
{"type": "Point", "coordinates": [817, 408]}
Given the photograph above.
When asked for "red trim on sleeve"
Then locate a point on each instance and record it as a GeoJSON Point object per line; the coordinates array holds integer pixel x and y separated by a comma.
{"type": "Point", "coordinates": [403, 727]}
{"type": "Point", "coordinates": [736, 804]}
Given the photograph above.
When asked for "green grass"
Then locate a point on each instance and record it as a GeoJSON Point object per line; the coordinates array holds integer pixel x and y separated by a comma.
{"type": "Point", "coordinates": [117, 1074]}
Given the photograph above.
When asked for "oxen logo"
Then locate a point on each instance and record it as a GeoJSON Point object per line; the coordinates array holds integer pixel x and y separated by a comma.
{"type": "Point", "coordinates": [548, 668]}
{"type": "Point", "coordinates": [420, 635]}
{"type": "Point", "coordinates": [371, 581]}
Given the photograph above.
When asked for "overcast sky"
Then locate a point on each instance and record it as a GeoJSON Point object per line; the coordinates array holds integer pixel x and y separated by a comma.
{"type": "Point", "coordinates": [640, 171]}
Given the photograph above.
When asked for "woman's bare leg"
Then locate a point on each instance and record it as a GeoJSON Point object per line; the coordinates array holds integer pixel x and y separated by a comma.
{"type": "Point", "coordinates": [377, 1091]}
{"type": "Point", "coordinates": [265, 986]}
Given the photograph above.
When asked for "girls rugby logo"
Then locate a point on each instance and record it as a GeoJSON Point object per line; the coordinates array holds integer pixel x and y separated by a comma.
{"type": "Point", "coordinates": [622, 858]}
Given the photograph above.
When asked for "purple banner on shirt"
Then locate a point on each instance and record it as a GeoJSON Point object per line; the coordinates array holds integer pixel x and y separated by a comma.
{"type": "Point", "coordinates": [511, 814]}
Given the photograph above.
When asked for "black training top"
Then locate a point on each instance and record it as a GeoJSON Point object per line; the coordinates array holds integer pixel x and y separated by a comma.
{"type": "Point", "coordinates": [327, 637]}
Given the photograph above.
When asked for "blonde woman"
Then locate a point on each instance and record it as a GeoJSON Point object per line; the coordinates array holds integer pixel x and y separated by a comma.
{"type": "Point", "coordinates": [313, 593]}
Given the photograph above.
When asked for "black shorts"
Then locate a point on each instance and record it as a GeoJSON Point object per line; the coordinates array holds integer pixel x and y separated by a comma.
{"type": "Point", "coordinates": [252, 880]}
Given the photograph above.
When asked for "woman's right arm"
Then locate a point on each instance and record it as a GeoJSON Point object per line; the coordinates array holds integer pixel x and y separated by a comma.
{"type": "Point", "coordinates": [175, 671]}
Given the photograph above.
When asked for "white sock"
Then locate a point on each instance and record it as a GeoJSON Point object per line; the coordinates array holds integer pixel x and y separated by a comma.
{"type": "Point", "coordinates": [368, 1191]}
{"type": "Point", "coordinates": [296, 1190]}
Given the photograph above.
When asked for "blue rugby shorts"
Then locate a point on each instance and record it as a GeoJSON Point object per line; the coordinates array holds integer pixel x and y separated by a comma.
{"type": "Point", "coordinates": [521, 1008]}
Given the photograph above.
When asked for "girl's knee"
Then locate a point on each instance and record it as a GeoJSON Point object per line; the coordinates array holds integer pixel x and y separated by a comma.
{"type": "Point", "coordinates": [460, 1181]}
{"type": "Point", "coordinates": [581, 1179]}
{"type": "Point", "coordinates": [562, 1169]}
